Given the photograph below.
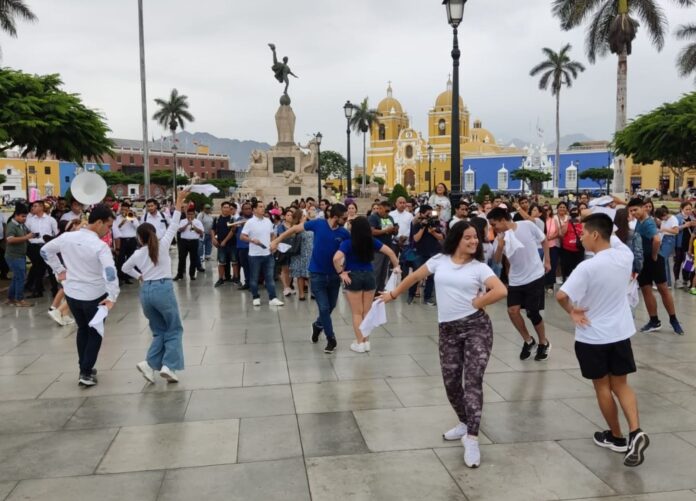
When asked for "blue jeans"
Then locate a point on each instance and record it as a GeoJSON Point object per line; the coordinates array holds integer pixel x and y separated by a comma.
{"type": "Point", "coordinates": [205, 247]}
{"type": "Point", "coordinates": [267, 264]}
{"type": "Point", "coordinates": [161, 309]}
{"type": "Point", "coordinates": [18, 266]}
{"type": "Point", "coordinates": [325, 289]}
{"type": "Point", "coordinates": [554, 254]}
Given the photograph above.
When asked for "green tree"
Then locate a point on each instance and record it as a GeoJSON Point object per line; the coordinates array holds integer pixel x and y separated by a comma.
{"type": "Point", "coordinates": [359, 179]}
{"type": "Point", "coordinates": [116, 177]}
{"type": "Point", "coordinates": [398, 191]}
{"type": "Point", "coordinates": [666, 134]}
{"type": "Point", "coordinates": [164, 178]}
{"type": "Point", "coordinates": [3, 178]}
{"type": "Point", "coordinates": [333, 165]}
{"type": "Point", "coordinates": [558, 70]}
{"type": "Point", "coordinates": [362, 121]}
{"type": "Point", "coordinates": [199, 200]}
{"type": "Point", "coordinates": [686, 62]}
{"type": "Point", "coordinates": [221, 184]}
{"type": "Point", "coordinates": [11, 9]}
{"type": "Point", "coordinates": [173, 114]}
{"type": "Point", "coordinates": [600, 175]}
{"type": "Point", "coordinates": [37, 116]}
{"type": "Point", "coordinates": [484, 191]}
{"type": "Point", "coordinates": [612, 29]}
{"type": "Point", "coordinates": [533, 178]}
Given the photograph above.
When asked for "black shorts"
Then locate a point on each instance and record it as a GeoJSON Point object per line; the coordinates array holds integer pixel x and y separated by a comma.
{"type": "Point", "coordinates": [529, 296]}
{"type": "Point", "coordinates": [652, 272]}
{"type": "Point", "coordinates": [599, 360]}
{"type": "Point", "coordinates": [361, 281]}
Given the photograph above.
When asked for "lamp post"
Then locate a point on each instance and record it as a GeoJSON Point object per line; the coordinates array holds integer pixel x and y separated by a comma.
{"type": "Point", "coordinates": [430, 169]}
{"type": "Point", "coordinates": [455, 13]}
{"type": "Point", "coordinates": [174, 148]}
{"type": "Point", "coordinates": [348, 110]}
{"type": "Point", "coordinates": [143, 103]}
{"type": "Point", "coordinates": [26, 178]}
{"type": "Point", "coordinates": [317, 138]}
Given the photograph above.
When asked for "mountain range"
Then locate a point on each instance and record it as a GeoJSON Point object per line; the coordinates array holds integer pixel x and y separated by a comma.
{"type": "Point", "coordinates": [238, 151]}
{"type": "Point", "coordinates": [566, 141]}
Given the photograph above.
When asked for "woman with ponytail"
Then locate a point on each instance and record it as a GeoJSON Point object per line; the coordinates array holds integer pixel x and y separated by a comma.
{"type": "Point", "coordinates": [152, 265]}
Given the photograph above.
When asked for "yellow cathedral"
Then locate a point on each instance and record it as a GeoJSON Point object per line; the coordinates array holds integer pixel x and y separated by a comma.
{"type": "Point", "coordinates": [399, 154]}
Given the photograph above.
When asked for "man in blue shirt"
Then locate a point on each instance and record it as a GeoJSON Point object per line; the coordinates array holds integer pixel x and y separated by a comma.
{"type": "Point", "coordinates": [325, 283]}
{"type": "Point", "coordinates": [653, 271]}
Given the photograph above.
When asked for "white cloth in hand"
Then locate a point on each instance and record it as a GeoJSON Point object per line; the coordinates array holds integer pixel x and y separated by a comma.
{"type": "Point", "coordinates": [393, 282]}
{"type": "Point", "coordinates": [97, 322]}
{"type": "Point", "coordinates": [512, 244]}
{"type": "Point", "coordinates": [374, 318]}
{"type": "Point", "coordinates": [205, 189]}
{"type": "Point", "coordinates": [633, 294]}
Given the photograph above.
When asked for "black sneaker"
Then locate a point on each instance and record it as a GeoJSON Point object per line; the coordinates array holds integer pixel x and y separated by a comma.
{"type": "Point", "coordinates": [410, 300]}
{"type": "Point", "coordinates": [543, 351]}
{"type": "Point", "coordinates": [244, 287]}
{"type": "Point", "coordinates": [635, 455]}
{"type": "Point", "coordinates": [219, 283]}
{"type": "Point", "coordinates": [94, 373]}
{"type": "Point", "coordinates": [178, 277]}
{"type": "Point", "coordinates": [316, 330]}
{"type": "Point", "coordinates": [651, 326]}
{"type": "Point", "coordinates": [330, 346]}
{"type": "Point", "coordinates": [87, 380]}
{"type": "Point", "coordinates": [609, 441]}
{"type": "Point", "coordinates": [527, 350]}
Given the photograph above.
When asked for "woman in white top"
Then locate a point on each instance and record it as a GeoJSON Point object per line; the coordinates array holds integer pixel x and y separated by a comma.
{"type": "Point", "coordinates": [464, 286]}
{"type": "Point", "coordinates": [441, 202]}
{"type": "Point", "coordinates": [152, 265]}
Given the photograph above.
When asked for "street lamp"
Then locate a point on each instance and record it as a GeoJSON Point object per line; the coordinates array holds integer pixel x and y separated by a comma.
{"type": "Point", "coordinates": [348, 110]}
{"type": "Point", "coordinates": [174, 148]}
{"type": "Point", "coordinates": [143, 103]}
{"type": "Point", "coordinates": [26, 177]}
{"type": "Point", "coordinates": [317, 139]}
{"type": "Point", "coordinates": [455, 13]}
{"type": "Point", "coordinates": [430, 169]}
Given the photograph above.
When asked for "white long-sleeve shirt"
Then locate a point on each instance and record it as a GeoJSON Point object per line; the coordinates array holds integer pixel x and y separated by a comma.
{"type": "Point", "coordinates": [187, 229]}
{"type": "Point", "coordinates": [160, 220]}
{"type": "Point", "coordinates": [141, 259]}
{"type": "Point", "coordinates": [89, 265]}
{"type": "Point", "coordinates": [44, 225]}
{"type": "Point", "coordinates": [127, 230]}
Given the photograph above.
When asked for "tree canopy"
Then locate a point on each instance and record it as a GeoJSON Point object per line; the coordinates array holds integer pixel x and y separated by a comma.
{"type": "Point", "coordinates": [534, 178]}
{"type": "Point", "coordinates": [398, 191]}
{"type": "Point", "coordinates": [37, 116]}
{"type": "Point", "coordinates": [600, 175]}
{"type": "Point", "coordinates": [174, 112]}
{"type": "Point", "coordinates": [332, 165]}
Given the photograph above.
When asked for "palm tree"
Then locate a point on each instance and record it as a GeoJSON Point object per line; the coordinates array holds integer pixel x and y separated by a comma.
{"type": "Point", "coordinates": [362, 121]}
{"type": "Point", "coordinates": [173, 114]}
{"type": "Point", "coordinates": [612, 29]}
{"type": "Point", "coordinates": [11, 9]}
{"type": "Point", "coordinates": [558, 70]}
{"type": "Point", "coordinates": [686, 62]}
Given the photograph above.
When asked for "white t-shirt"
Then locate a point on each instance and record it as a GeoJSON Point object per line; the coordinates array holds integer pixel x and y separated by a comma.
{"type": "Point", "coordinates": [456, 285]}
{"type": "Point", "coordinates": [671, 222]}
{"type": "Point", "coordinates": [260, 229]}
{"type": "Point", "coordinates": [404, 220]}
{"type": "Point", "coordinates": [140, 264]}
{"type": "Point", "coordinates": [189, 233]}
{"type": "Point", "coordinates": [601, 284]}
{"type": "Point", "coordinates": [525, 265]}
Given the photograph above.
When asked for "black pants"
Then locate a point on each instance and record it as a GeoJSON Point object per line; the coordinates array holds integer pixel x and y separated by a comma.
{"type": "Point", "coordinates": [188, 248]}
{"type": "Point", "coordinates": [4, 269]}
{"type": "Point", "coordinates": [126, 250]}
{"type": "Point", "coordinates": [88, 340]}
{"type": "Point", "coordinates": [569, 261]}
{"type": "Point", "coordinates": [244, 263]}
{"type": "Point", "coordinates": [37, 272]}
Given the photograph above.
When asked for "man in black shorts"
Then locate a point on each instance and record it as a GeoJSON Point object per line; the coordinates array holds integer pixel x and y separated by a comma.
{"type": "Point", "coordinates": [519, 242]}
{"type": "Point", "coordinates": [603, 328]}
{"type": "Point", "coordinates": [654, 270]}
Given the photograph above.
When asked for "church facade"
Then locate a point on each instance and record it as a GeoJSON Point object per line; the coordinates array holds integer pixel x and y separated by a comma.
{"type": "Point", "coordinates": [399, 154]}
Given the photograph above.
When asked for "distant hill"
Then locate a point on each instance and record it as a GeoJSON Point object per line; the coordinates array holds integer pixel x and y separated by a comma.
{"type": "Point", "coordinates": [238, 151]}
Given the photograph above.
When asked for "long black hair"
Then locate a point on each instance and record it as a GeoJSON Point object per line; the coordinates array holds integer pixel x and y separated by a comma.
{"type": "Point", "coordinates": [455, 235]}
{"type": "Point", "coordinates": [148, 237]}
{"type": "Point", "coordinates": [361, 239]}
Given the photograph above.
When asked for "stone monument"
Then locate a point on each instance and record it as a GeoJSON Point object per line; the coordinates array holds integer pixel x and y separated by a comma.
{"type": "Point", "coordinates": [287, 171]}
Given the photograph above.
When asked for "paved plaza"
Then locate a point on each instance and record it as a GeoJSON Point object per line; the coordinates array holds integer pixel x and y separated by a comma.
{"type": "Point", "coordinates": [262, 414]}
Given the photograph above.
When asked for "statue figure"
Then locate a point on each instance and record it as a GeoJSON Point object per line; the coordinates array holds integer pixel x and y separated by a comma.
{"type": "Point", "coordinates": [281, 70]}
{"type": "Point", "coordinates": [309, 161]}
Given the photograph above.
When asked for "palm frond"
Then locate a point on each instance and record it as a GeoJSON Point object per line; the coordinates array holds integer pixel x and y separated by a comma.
{"type": "Point", "coordinates": [686, 32]}
{"type": "Point", "coordinates": [543, 66]}
{"type": "Point", "coordinates": [572, 13]}
{"type": "Point", "coordinates": [686, 61]}
{"type": "Point", "coordinates": [545, 79]}
{"type": "Point", "coordinates": [654, 19]}
{"type": "Point", "coordinates": [597, 37]}
{"type": "Point", "coordinates": [9, 11]}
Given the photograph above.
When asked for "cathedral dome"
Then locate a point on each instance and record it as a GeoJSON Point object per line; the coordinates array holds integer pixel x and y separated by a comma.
{"type": "Point", "coordinates": [445, 99]}
{"type": "Point", "coordinates": [389, 104]}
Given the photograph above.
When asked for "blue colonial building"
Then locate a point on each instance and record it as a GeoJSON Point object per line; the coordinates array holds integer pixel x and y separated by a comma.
{"type": "Point", "coordinates": [68, 171]}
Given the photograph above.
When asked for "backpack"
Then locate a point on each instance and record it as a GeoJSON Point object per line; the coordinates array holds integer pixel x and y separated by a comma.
{"type": "Point", "coordinates": [571, 240]}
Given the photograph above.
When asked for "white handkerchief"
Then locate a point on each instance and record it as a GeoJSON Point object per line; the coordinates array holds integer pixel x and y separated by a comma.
{"type": "Point", "coordinates": [601, 201]}
{"type": "Point", "coordinates": [374, 318]}
{"type": "Point", "coordinates": [205, 189]}
{"type": "Point", "coordinates": [393, 282]}
{"type": "Point", "coordinates": [283, 248]}
{"type": "Point", "coordinates": [604, 210]}
{"type": "Point", "coordinates": [633, 297]}
{"type": "Point", "coordinates": [512, 244]}
{"type": "Point", "coordinates": [97, 321]}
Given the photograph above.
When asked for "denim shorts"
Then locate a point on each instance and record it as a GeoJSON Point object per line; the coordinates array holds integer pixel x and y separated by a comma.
{"type": "Point", "coordinates": [226, 254]}
{"type": "Point", "coordinates": [361, 281]}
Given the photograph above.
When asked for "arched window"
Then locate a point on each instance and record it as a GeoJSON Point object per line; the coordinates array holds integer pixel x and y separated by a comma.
{"type": "Point", "coordinates": [382, 132]}
{"type": "Point", "coordinates": [409, 151]}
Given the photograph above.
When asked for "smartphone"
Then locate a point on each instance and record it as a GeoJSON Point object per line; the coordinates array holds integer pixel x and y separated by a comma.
{"type": "Point", "coordinates": [262, 246]}
{"type": "Point", "coordinates": [35, 235]}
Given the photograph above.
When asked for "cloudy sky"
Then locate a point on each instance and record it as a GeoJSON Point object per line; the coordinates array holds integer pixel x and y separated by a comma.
{"type": "Point", "coordinates": [215, 52]}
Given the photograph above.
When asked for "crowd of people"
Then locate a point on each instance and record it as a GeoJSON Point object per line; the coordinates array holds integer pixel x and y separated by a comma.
{"type": "Point", "coordinates": [590, 254]}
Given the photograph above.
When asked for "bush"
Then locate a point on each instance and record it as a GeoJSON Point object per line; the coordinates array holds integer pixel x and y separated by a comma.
{"type": "Point", "coordinates": [398, 191]}
{"type": "Point", "coordinates": [485, 190]}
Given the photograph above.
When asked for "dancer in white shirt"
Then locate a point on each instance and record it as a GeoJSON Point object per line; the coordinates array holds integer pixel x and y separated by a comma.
{"type": "Point", "coordinates": [89, 280]}
{"type": "Point", "coordinates": [152, 265]}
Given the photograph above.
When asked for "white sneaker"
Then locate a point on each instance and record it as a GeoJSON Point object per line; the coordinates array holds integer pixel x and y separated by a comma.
{"type": "Point", "coordinates": [67, 320]}
{"type": "Point", "coordinates": [366, 344]}
{"type": "Point", "coordinates": [256, 302]}
{"type": "Point", "coordinates": [276, 302]}
{"type": "Point", "coordinates": [55, 315]}
{"type": "Point", "coordinates": [147, 371]}
{"type": "Point", "coordinates": [456, 433]}
{"type": "Point", "coordinates": [472, 453]}
{"type": "Point", "coordinates": [358, 347]}
{"type": "Point", "coordinates": [168, 374]}
{"type": "Point", "coordinates": [287, 291]}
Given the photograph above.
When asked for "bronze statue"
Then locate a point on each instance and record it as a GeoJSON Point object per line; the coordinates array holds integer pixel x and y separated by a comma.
{"type": "Point", "coordinates": [281, 71]}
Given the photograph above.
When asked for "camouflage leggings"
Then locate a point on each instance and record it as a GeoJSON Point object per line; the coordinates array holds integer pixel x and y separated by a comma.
{"type": "Point", "coordinates": [465, 347]}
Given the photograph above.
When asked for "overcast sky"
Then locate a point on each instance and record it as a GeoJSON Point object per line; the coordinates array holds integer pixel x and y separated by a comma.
{"type": "Point", "coordinates": [215, 52]}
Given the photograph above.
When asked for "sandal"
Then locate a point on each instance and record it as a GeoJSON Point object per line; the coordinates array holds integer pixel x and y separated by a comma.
{"type": "Point", "coordinates": [23, 304]}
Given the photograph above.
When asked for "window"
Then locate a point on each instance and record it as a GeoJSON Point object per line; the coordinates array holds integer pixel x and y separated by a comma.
{"type": "Point", "coordinates": [47, 170]}
{"type": "Point", "coordinates": [427, 175]}
{"type": "Point", "coordinates": [203, 164]}
{"type": "Point", "coordinates": [382, 132]}
{"type": "Point", "coordinates": [131, 160]}
{"type": "Point", "coordinates": [442, 127]}
{"type": "Point", "coordinates": [32, 169]}
{"type": "Point", "coordinates": [166, 161]}
{"type": "Point", "coordinates": [156, 160]}
{"type": "Point", "coordinates": [212, 163]}
{"type": "Point", "coordinates": [118, 159]}
{"type": "Point", "coordinates": [294, 191]}
{"type": "Point", "coordinates": [67, 179]}
{"type": "Point", "coordinates": [409, 151]}
{"type": "Point", "coordinates": [9, 172]}
{"type": "Point", "coordinates": [447, 175]}
{"type": "Point", "coordinates": [190, 162]}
